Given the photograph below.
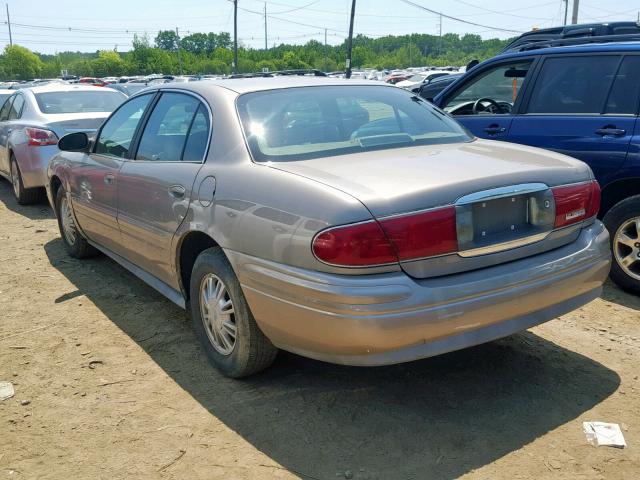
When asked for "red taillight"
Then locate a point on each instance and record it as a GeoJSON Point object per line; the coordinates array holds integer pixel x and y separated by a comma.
{"type": "Point", "coordinates": [39, 137]}
{"type": "Point", "coordinates": [424, 234]}
{"type": "Point", "coordinates": [355, 245]}
{"type": "Point", "coordinates": [575, 203]}
{"type": "Point", "coordinates": [402, 238]}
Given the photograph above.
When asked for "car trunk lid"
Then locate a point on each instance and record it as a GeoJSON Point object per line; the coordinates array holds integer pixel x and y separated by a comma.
{"type": "Point", "coordinates": [501, 193]}
{"type": "Point", "coordinates": [62, 124]}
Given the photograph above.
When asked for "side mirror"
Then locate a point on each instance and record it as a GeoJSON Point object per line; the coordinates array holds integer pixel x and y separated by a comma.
{"type": "Point", "coordinates": [74, 142]}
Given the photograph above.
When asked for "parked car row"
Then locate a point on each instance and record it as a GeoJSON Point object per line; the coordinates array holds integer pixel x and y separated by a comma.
{"type": "Point", "coordinates": [355, 222]}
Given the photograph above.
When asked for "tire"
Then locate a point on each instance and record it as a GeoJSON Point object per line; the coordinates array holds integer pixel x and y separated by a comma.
{"type": "Point", "coordinates": [24, 196]}
{"type": "Point", "coordinates": [251, 350]}
{"type": "Point", "coordinates": [623, 223]}
{"type": "Point", "coordinates": [75, 245]}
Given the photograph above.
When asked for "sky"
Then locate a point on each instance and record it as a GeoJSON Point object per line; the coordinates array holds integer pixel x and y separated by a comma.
{"type": "Point", "coordinates": [49, 26]}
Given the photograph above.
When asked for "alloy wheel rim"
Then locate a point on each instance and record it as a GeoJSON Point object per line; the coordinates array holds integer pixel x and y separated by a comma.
{"type": "Point", "coordinates": [626, 247]}
{"type": "Point", "coordinates": [15, 179]}
{"type": "Point", "coordinates": [217, 312]}
{"type": "Point", "coordinates": [68, 224]}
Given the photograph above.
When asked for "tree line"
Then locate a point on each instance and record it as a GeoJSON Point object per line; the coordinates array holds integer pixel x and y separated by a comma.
{"type": "Point", "coordinates": [212, 53]}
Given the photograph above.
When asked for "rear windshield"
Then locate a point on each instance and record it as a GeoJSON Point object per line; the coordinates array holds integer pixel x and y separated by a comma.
{"type": "Point", "coordinates": [314, 122]}
{"type": "Point", "coordinates": [79, 101]}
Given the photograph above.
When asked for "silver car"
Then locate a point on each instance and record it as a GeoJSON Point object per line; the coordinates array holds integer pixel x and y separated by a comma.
{"type": "Point", "coordinates": [33, 119]}
{"type": "Point", "coordinates": [346, 221]}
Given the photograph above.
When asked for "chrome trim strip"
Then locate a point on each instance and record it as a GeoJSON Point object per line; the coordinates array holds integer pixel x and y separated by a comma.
{"type": "Point", "coordinates": [501, 192]}
{"type": "Point", "coordinates": [499, 247]}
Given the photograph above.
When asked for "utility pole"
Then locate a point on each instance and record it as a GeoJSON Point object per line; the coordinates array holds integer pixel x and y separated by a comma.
{"type": "Point", "coordinates": [566, 10]}
{"type": "Point", "coordinates": [265, 26]}
{"type": "Point", "coordinates": [326, 60]}
{"type": "Point", "coordinates": [9, 24]}
{"type": "Point", "coordinates": [178, 47]}
{"type": "Point", "coordinates": [574, 15]}
{"type": "Point", "coordinates": [439, 34]}
{"type": "Point", "coordinates": [235, 36]}
{"type": "Point", "coordinates": [350, 40]}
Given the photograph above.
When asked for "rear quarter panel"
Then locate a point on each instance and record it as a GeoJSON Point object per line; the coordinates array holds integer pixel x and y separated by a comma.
{"type": "Point", "coordinates": [255, 209]}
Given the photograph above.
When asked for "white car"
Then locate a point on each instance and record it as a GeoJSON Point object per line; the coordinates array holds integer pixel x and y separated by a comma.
{"type": "Point", "coordinates": [419, 78]}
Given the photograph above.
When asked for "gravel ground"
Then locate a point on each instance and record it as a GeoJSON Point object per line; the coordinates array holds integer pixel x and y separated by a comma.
{"type": "Point", "coordinates": [110, 383]}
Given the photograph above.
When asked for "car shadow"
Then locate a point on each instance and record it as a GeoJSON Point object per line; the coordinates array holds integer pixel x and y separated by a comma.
{"type": "Point", "coordinates": [613, 294]}
{"type": "Point", "coordinates": [38, 211]}
{"type": "Point", "coordinates": [437, 418]}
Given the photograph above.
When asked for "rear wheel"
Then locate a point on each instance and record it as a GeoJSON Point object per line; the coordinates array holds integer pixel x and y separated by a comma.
{"type": "Point", "coordinates": [24, 196]}
{"type": "Point", "coordinates": [623, 223]}
{"type": "Point", "coordinates": [75, 244]}
{"type": "Point", "coordinates": [222, 320]}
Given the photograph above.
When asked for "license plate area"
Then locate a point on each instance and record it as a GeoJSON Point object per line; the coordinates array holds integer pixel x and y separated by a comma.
{"type": "Point", "coordinates": [493, 221]}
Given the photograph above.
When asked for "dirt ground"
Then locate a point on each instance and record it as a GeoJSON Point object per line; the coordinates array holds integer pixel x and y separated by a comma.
{"type": "Point", "coordinates": [110, 383]}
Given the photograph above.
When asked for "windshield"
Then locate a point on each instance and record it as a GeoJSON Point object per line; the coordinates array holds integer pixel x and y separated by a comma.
{"type": "Point", "coordinates": [79, 101]}
{"type": "Point", "coordinates": [314, 122]}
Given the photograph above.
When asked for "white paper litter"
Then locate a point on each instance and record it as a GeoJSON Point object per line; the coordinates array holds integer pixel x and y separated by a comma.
{"type": "Point", "coordinates": [604, 434]}
{"type": "Point", "coordinates": [6, 390]}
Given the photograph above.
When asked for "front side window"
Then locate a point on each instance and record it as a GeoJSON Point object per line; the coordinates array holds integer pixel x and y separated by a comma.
{"type": "Point", "coordinates": [175, 119]}
{"type": "Point", "coordinates": [6, 107]}
{"type": "Point", "coordinates": [117, 133]}
{"type": "Point", "coordinates": [16, 108]}
{"type": "Point", "coordinates": [3, 98]}
{"type": "Point", "coordinates": [492, 92]}
{"type": "Point", "coordinates": [573, 85]}
{"type": "Point", "coordinates": [314, 122]}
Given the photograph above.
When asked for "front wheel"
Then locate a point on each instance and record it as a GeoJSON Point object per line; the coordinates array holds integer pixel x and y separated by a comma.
{"type": "Point", "coordinates": [222, 320]}
{"type": "Point", "coordinates": [75, 244]}
{"type": "Point", "coordinates": [623, 223]}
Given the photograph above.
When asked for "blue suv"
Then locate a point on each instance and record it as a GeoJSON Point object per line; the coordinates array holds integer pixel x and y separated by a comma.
{"type": "Point", "coordinates": [579, 100]}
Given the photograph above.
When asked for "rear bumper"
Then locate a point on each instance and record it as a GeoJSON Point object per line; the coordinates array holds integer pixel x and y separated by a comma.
{"type": "Point", "coordinates": [33, 162]}
{"type": "Point", "coordinates": [392, 318]}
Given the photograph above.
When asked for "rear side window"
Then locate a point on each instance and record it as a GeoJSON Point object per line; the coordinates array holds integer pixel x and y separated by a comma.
{"type": "Point", "coordinates": [573, 85]}
{"type": "Point", "coordinates": [198, 138]}
{"type": "Point", "coordinates": [623, 98]}
{"type": "Point", "coordinates": [170, 125]}
{"type": "Point", "coordinates": [16, 108]}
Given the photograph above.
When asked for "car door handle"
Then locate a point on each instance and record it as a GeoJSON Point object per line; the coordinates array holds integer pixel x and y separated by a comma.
{"type": "Point", "coordinates": [611, 131]}
{"type": "Point", "coordinates": [495, 129]}
{"type": "Point", "coordinates": [177, 191]}
{"type": "Point", "coordinates": [109, 178]}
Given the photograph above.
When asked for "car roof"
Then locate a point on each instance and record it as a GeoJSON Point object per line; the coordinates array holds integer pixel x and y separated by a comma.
{"type": "Point", "coordinates": [633, 46]}
{"type": "Point", "coordinates": [246, 85]}
{"type": "Point", "coordinates": [64, 87]}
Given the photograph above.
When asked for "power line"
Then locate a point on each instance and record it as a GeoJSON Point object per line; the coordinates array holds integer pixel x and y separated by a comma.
{"type": "Point", "coordinates": [496, 12]}
{"type": "Point", "coordinates": [498, 29]}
